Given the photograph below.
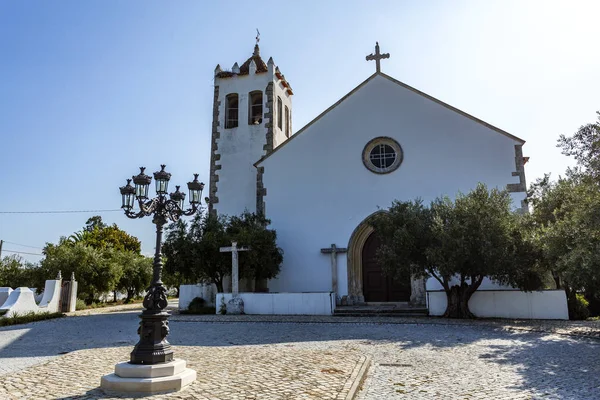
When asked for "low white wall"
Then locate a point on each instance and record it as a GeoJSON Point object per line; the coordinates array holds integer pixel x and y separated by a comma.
{"type": "Point", "coordinates": [4, 293]}
{"type": "Point", "coordinates": [21, 301]}
{"type": "Point", "coordinates": [187, 293]}
{"type": "Point", "coordinates": [547, 304]}
{"type": "Point", "coordinates": [51, 298]}
{"type": "Point", "coordinates": [318, 303]}
{"type": "Point", "coordinates": [37, 295]}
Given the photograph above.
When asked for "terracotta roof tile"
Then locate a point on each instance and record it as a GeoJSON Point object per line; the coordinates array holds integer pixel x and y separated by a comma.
{"type": "Point", "coordinates": [261, 66]}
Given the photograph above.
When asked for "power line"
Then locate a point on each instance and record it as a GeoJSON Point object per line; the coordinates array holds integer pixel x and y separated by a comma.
{"type": "Point", "coordinates": [22, 252]}
{"type": "Point", "coordinates": [58, 212]}
{"type": "Point", "coordinates": [23, 245]}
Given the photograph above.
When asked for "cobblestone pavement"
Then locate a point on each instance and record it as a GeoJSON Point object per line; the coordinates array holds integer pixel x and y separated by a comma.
{"type": "Point", "coordinates": [570, 328]}
{"type": "Point", "coordinates": [224, 373]}
{"type": "Point", "coordinates": [410, 360]}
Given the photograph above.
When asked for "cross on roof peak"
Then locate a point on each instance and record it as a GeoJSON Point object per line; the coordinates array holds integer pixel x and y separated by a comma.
{"type": "Point", "coordinates": [377, 57]}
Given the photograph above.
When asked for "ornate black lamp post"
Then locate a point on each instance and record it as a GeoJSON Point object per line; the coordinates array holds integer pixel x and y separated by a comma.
{"type": "Point", "coordinates": [153, 348]}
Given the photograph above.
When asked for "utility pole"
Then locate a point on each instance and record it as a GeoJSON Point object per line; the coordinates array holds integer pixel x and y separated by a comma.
{"type": "Point", "coordinates": [1, 241]}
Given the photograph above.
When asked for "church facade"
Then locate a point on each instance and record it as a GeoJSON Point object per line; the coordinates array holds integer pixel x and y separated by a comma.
{"type": "Point", "coordinates": [381, 142]}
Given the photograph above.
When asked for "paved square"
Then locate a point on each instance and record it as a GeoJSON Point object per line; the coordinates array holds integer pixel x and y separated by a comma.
{"type": "Point", "coordinates": [316, 358]}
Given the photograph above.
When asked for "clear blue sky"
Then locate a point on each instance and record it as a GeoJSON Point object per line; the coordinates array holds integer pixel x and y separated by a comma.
{"type": "Point", "coordinates": [91, 90]}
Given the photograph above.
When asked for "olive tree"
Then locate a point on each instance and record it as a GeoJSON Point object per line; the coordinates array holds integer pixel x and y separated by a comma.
{"type": "Point", "coordinates": [459, 243]}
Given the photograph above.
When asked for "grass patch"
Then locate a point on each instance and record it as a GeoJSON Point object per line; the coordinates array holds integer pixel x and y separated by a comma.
{"type": "Point", "coordinates": [200, 311]}
{"type": "Point", "coordinates": [17, 319]}
{"type": "Point", "coordinates": [82, 306]}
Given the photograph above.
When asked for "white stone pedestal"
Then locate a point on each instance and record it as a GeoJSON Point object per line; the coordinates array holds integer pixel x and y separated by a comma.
{"type": "Point", "coordinates": [166, 377]}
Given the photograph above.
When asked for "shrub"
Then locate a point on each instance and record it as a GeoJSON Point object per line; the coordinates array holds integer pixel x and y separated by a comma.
{"type": "Point", "coordinates": [578, 307]}
{"type": "Point", "coordinates": [80, 305]}
{"type": "Point", "coordinates": [196, 304]}
{"type": "Point", "coordinates": [17, 318]}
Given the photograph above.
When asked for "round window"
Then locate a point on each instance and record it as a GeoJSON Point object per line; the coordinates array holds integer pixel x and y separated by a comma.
{"type": "Point", "coordinates": [382, 155]}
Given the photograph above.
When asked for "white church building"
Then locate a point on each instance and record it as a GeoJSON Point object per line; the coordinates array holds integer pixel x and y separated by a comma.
{"type": "Point", "coordinates": [382, 141]}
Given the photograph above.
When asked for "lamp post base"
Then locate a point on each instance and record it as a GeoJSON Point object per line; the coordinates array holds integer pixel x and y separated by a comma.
{"type": "Point", "coordinates": [139, 378]}
{"type": "Point", "coordinates": [153, 347]}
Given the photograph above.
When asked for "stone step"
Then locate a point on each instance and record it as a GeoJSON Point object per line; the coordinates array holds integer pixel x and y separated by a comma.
{"type": "Point", "coordinates": [383, 312]}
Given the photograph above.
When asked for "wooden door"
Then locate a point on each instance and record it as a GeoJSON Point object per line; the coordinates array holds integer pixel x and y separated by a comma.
{"type": "Point", "coordinates": [377, 287]}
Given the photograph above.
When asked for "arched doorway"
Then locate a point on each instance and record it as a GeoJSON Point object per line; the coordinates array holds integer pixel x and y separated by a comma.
{"type": "Point", "coordinates": [356, 245]}
{"type": "Point", "coordinates": [378, 287]}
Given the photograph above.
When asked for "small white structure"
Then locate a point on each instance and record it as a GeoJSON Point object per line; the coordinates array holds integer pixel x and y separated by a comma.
{"type": "Point", "coordinates": [283, 303]}
{"type": "Point", "coordinates": [547, 304]}
{"type": "Point", "coordinates": [187, 293]}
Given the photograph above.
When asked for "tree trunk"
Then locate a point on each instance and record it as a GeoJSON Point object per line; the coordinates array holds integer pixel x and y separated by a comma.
{"type": "Point", "coordinates": [556, 278]}
{"type": "Point", "coordinates": [458, 302]}
{"type": "Point", "coordinates": [114, 296]}
{"type": "Point", "coordinates": [260, 285]}
{"type": "Point", "coordinates": [219, 286]}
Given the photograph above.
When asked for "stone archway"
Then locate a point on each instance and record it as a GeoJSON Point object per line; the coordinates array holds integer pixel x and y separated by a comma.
{"type": "Point", "coordinates": [354, 260]}
{"type": "Point", "coordinates": [355, 268]}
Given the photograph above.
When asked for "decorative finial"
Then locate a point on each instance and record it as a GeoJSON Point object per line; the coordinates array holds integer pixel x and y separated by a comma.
{"type": "Point", "coordinates": [72, 276]}
{"type": "Point", "coordinates": [59, 276]}
{"type": "Point", "coordinates": [256, 48]}
{"type": "Point", "coordinates": [377, 57]}
{"type": "Point", "coordinates": [163, 166]}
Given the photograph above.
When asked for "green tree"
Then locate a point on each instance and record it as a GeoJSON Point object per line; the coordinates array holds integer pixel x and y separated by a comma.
{"type": "Point", "coordinates": [566, 214]}
{"type": "Point", "coordinates": [98, 235]}
{"type": "Point", "coordinates": [137, 273]}
{"type": "Point", "coordinates": [584, 146]}
{"type": "Point", "coordinates": [193, 253]}
{"type": "Point", "coordinates": [96, 270]}
{"type": "Point", "coordinates": [458, 243]}
{"type": "Point", "coordinates": [16, 272]}
{"type": "Point", "coordinates": [567, 218]}
{"type": "Point", "coordinates": [264, 259]}
{"type": "Point", "coordinates": [94, 222]}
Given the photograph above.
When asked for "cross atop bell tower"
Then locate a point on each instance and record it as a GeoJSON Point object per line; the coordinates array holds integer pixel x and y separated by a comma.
{"type": "Point", "coordinates": [377, 57]}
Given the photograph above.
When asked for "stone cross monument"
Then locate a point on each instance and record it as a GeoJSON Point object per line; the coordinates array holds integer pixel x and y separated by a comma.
{"type": "Point", "coordinates": [333, 251]}
{"type": "Point", "coordinates": [235, 274]}
{"type": "Point", "coordinates": [236, 304]}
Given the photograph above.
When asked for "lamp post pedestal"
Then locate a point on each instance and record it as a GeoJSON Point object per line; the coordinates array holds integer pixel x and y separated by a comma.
{"type": "Point", "coordinates": [152, 367]}
{"type": "Point", "coordinates": [152, 378]}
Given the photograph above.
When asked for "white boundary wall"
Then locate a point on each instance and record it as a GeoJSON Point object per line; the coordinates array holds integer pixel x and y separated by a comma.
{"type": "Point", "coordinates": [51, 296]}
{"type": "Point", "coordinates": [22, 300]}
{"type": "Point", "coordinates": [547, 304]}
{"type": "Point", "coordinates": [316, 303]}
{"type": "Point", "coordinates": [4, 293]}
{"type": "Point", "coordinates": [187, 293]}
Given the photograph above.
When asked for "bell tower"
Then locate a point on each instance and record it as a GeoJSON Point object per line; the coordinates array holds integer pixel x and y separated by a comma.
{"type": "Point", "coordinates": [252, 115]}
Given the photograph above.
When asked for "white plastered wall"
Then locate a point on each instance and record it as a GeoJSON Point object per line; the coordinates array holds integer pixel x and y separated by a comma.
{"type": "Point", "coordinates": [319, 191]}
{"type": "Point", "coordinates": [239, 148]}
